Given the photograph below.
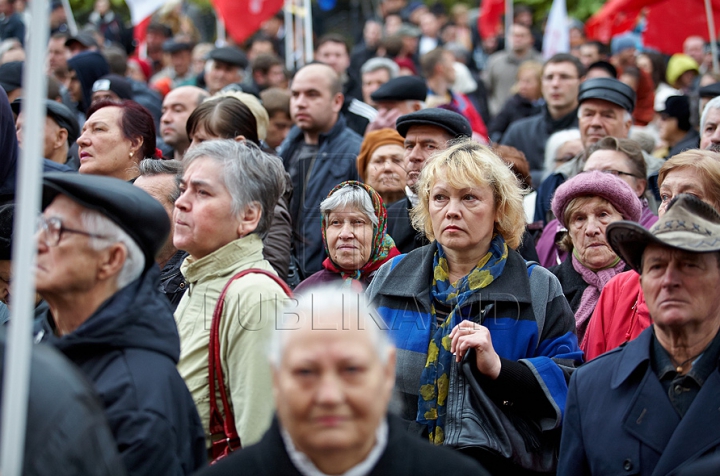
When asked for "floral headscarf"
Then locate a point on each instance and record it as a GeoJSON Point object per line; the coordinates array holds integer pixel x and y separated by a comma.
{"type": "Point", "coordinates": [383, 246]}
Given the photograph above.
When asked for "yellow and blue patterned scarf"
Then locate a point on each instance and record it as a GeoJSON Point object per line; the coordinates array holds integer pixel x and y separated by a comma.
{"type": "Point", "coordinates": [435, 377]}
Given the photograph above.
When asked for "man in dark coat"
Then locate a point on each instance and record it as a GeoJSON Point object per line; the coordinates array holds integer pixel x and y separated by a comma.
{"type": "Point", "coordinates": [332, 389]}
{"type": "Point", "coordinates": [97, 241]}
{"type": "Point", "coordinates": [651, 406]}
{"type": "Point", "coordinates": [318, 153]}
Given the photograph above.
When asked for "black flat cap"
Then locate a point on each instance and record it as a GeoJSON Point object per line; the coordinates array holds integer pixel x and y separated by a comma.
{"type": "Point", "coordinates": [11, 76]}
{"type": "Point", "coordinates": [710, 91]}
{"type": "Point", "coordinates": [403, 88]}
{"type": "Point", "coordinates": [173, 46]}
{"type": "Point", "coordinates": [59, 113]}
{"type": "Point", "coordinates": [610, 90]}
{"type": "Point", "coordinates": [84, 38]}
{"type": "Point", "coordinates": [679, 108]}
{"type": "Point", "coordinates": [114, 83]}
{"type": "Point", "coordinates": [131, 208]}
{"type": "Point", "coordinates": [452, 122]}
{"type": "Point", "coordinates": [230, 55]}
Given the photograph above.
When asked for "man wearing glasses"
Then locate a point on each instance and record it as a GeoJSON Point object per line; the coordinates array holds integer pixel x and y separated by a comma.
{"type": "Point", "coordinates": [97, 239]}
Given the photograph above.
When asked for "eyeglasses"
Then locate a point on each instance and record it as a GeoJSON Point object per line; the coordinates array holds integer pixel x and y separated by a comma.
{"type": "Point", "coordinates": [616, 173]}
{"type": "Point", "coordinates": [53, 229]}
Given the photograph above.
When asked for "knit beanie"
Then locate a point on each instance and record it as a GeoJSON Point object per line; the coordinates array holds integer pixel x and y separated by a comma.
{"type": "Point", "coordinates": [597, 184]}
{"type": "Point", "coordinates": [372, 141]}
{"type": "Point", "coordinates": [679, 63]}
{"type": "Point", "coordinates": [621, 43]}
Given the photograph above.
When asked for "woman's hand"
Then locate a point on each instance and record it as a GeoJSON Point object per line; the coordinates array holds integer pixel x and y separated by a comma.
{"type": "Point", "coordinates": [469, 335]}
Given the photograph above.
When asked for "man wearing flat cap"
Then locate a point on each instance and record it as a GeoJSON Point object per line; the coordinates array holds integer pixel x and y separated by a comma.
{"type": "Point", "coordinates": [113, 87]}
{"type": "Point", "coordinates": [97, 239]}
{"type": "Point", "coordinates": [675, 128]}
{"type": "Point", "coordinates": [179, 71]}
{"type": "Point", "coordinates": [606, 107]}
{"type": "Point", "coordinates": [651, 406]}
{"type": "Point", "coordinates": [399, 96]}
{"type": "Point", "coordinates": [425, 132]}
{"type": "Point", "coordinates": [225, 65]}
{"type": "Point", "coordinates": [61, 130]}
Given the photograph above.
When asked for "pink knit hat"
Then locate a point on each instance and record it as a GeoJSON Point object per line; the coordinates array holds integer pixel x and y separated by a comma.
{"type": "Point", "coordinates": [597, 184]}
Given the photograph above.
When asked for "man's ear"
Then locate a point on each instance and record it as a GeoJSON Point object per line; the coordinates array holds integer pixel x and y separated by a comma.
{"type": "Point", "coordinates": [249, 218]}
{"type": "Point", "coordinates": [60, 138]}
{"type": "Point", "coordinates": [113, 260]}
{"type": "Point", "coordinates": [337, 102]}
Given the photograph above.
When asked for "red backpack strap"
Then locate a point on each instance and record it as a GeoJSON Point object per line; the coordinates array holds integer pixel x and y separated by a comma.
{"type": "Point", "coordinates": [224, 435]}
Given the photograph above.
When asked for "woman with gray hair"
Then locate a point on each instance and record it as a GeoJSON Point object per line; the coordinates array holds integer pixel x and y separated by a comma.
{"type": "Point", "coordinates": [228, 192]}
{"type": "Point", "coordinates": [354, 231]}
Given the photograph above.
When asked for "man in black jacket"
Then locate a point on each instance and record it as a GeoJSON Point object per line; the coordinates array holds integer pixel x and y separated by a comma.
{"type": "Point", "coordinates": [97, 240]}
{"type": "Point", "coordinates": [333, 377]}
{"type": "Point", "coordinates": [561, 79]}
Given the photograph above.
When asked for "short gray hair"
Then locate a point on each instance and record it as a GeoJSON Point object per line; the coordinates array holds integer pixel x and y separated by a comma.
{"type": "Point", "coordinates": [714, 103]}
{"type": "Point", "coordinates": [374, 64]}
{"type": "Point", "coordinates": [98, 224]}
{"type": "Point", "coordinates": [249, 174]}
{"type": "Point", "coordinates": [326, 302]}
{"type": "Point", "coordinates": [350, 196]}
{"type": "Point", "coordinates": [154, 167]}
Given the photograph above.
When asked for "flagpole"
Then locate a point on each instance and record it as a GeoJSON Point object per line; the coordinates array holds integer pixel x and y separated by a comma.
{"type": "Point", "coordinates": [16, 376]}
{"type": "Point", "coordinates": [72, 26]}
{"type": "Point", "coordinates": [309, 51]}
{"type": "Point", "coordinates": [713, 39]}
{"type": "Point", "coordinates": [508, 24]}
{"type": "Point", "coordinates": [289, 35]}
{"type": "Point", "coordinates": [299, 39]}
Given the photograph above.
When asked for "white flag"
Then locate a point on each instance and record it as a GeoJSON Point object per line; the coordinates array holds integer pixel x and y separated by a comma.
{"type": "Point", "coordinates": [141, 9]}
{"type": "Point", "coordinates": [557, 31]}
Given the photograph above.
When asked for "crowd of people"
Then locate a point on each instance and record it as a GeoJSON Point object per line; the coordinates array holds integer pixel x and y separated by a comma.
{"type": "Point", "coordinates": [424, 253]}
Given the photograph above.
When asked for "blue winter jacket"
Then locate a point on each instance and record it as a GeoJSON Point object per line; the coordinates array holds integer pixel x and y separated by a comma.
{"type": "Point", "coordinates": [128, 349]}
{"type": "Point", "coordinates": [530, 322]}
{"type": "Point", "coordinates": [334, 163]}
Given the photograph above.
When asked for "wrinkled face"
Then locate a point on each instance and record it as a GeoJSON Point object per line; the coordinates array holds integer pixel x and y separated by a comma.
{"type": "Point", "coordinates": [586, 226]}
{"type": "Point", "coordinates": [372, 81]}
{"type": "Point", "coordinates": [176, 108]}
{"type": "Point", "coordinates": [420, 143]}
{"type": "Point", "coordinates": [568, 151]}
{"type": "Point", "coordinates": [278, 128]}
{"type": "Point", "coordinates": [681, 288]}
{"type": "Point", "coordinates": [161, 187]}
{"type": "Point", "coordinates": [334, 55]}
{"type": "Point", "coordinates": [332, 391]}
{"type": "Point", "coordinates": [349, 237]}
{"type": "Point", "coordinates": [312, 106]}
{"type": "Point", "coordinates": [203, 215]}
{"type": "Point", "coordinates": [710, 133]}
{"type": "Point", "coordinates": [462, 219]}
{"type": "Point", "coordinates": [71, 266]}
{"type": "Point", "coordinates": [598, 119]}
{"type": "Point", "coordinates": [684, 180]}
{"type": "Point", "coordinates": [618, 164]}
{"type": "Point", "coordinates": [102, 147]}
{"type": "Point", "coordinates": [560, 84]}
{"type": "Point", "coordinates": [221, 74]}
{"type": "Point", "coordinates": [386, 172]}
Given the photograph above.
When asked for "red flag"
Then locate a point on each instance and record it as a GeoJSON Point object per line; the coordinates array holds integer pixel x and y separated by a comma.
{"type": "Point", "coordinates": [489, 18]}
{"type": "Point", "coordinates": [244, 17]}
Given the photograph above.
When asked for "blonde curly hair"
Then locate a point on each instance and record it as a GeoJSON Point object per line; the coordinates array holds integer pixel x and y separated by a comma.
{"type": "Point", "coordinates": [468, 164]}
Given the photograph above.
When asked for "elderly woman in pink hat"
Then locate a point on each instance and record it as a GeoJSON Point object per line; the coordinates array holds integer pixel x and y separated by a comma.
{"type": "Point", "coordinates": [585, 205]}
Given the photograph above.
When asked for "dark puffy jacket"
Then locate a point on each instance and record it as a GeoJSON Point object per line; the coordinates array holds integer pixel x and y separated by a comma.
{"type": "Point", "coordinates": [67, 433]}
{"type": "Point", "coordinates": [334, 163]}
{"type": "Point", "coordinates": [129, 348]}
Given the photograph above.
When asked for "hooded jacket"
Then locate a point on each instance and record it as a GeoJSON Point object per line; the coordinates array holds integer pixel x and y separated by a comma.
{"type": "Point", "coordinates": [89, 66]}
{"type": "Point", "coordinates": [129, 348]}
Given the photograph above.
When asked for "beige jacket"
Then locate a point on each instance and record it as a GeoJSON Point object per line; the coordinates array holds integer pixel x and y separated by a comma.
{"type": "Point", "coordinates": [251, 306]}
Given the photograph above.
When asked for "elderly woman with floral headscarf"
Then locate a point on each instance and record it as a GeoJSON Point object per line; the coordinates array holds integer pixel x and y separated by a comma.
{"type": "Point", "coordinates": [586, 205]}
{"type": "Point", "coordinates": [354, 231]}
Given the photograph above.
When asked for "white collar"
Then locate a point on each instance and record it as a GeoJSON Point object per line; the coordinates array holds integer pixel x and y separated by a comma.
{"type": "Point", "coordinates": [412, 196]}
{"type": "Point", "coordinates": [306, 467]}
